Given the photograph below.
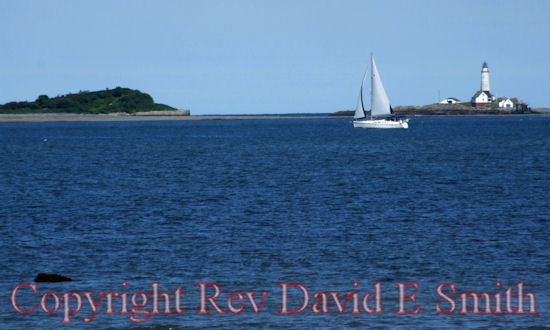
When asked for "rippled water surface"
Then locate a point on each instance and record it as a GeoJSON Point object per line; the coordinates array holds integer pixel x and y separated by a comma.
{"type": "Point", "coordinates": [249, 204]}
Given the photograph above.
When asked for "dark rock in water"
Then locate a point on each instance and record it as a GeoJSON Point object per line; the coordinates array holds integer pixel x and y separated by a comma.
{"type": "Point", "coordinates": [42, 277]}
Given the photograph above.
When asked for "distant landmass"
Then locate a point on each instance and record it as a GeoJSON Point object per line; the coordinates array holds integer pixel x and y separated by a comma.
{"type": "Point", "coordinates": [451, 109]}
{"type": "Point", "coordinates": [460, 109]}
{"type": "Point", "coordinates": [114, 100]}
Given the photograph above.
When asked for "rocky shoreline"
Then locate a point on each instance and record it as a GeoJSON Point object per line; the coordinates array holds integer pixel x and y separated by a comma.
{"type": "Point", "coordinates": [66, 117]}
{"type": "Point", "coordinates": [451, 110]}
{"type": "Point", "coordinates": [406, 111]}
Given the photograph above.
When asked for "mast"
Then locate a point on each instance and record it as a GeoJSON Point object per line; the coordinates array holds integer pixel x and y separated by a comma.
{"type": "Point", "coordinates": [371, 82]}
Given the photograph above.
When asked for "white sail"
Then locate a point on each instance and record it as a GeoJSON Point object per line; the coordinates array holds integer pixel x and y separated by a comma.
{"type": "Point", "coordinates": [380, 104]}
{"type": "Point", "coordinates": [360, 110]}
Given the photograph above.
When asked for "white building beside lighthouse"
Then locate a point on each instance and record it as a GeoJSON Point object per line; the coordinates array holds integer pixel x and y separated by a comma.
{"type": "Point", "coordinates": [483, 96]}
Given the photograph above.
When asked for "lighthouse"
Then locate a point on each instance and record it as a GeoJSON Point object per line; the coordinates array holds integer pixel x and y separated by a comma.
{"type": "Point", "coordinates": [483, 96]}
{"type": "Point", "coordinates": [485, 78]}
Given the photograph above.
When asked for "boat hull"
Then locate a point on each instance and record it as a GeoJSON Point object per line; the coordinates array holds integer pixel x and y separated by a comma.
{"type": "Point", "coordinates": [381, 123]}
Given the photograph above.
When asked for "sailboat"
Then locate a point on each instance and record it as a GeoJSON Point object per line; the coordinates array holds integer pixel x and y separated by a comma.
{"type": "Point", "coordinates": [381, 114]}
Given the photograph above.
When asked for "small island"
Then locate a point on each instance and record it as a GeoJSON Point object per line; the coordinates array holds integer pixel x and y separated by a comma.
{"type": "Point", "coordinates": [483, 102]}
{"type": "Point", "coordinates": [461, 109]}
{"type": "Point", "coordinates": [108, 101]}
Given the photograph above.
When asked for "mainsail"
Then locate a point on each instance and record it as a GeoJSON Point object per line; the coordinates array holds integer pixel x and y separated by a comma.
{"type": "Point", "coordinates": [380, 104]}
{"type": "Point", "coordinates": [360, 110]}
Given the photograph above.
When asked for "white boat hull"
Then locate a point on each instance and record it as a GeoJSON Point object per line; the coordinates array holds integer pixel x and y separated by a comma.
{"type": "Point", "coordinates": [381, 123]}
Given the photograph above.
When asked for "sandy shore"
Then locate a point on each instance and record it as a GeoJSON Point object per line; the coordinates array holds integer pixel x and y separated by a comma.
{"type": "Point", "coordinates": [56, 117]}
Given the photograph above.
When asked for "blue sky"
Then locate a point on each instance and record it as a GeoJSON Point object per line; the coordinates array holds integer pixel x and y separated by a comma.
{"type": "Point", "coordinates": [238, 57]}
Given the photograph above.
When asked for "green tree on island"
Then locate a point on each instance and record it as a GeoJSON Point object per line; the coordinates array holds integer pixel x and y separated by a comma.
{"type": "Point", "coordinates": [106, 101]}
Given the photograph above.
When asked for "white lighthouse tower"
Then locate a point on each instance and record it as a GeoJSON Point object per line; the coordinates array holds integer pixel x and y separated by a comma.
{"type": "Point", "coordinates": [483, 96]}
{"type": "Point", "coordinates": [485, 78]}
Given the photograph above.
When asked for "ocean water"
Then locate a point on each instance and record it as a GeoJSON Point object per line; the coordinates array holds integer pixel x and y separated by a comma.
{"type": "Point", "coordinates": [249, 205]}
